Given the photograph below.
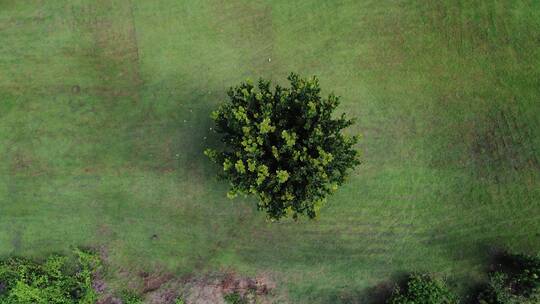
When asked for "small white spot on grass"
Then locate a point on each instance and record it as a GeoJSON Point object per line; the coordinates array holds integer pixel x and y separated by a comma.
{"type": "Point", "coordinates": [269, 59]}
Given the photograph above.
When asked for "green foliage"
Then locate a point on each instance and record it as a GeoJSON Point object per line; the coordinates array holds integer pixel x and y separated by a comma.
{"type": "Point", "coordinates": [129, 297]}
{"type": "Point", "coordinates": [234, 298]}
{"type": "Point", "coordinates": [179, 301]}
{"type": "Point", "coordinates": [88, 264]}
{"type": "Point", "coordinates": [497, 291]}
{"type": "Point", "coordinates": [524, 274]}
{"type": "Point", "coordinates": [51, 282]}
{"type": "Point", "coordinates": [283, 145]}
{"type": "Point", "coordinates": [423, 289]}
{"type": "Point", "coordinates": [518, 281]}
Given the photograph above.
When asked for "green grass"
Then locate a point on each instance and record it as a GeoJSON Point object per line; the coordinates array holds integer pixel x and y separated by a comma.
{"type": "Point", "coordinates": [104, 114]}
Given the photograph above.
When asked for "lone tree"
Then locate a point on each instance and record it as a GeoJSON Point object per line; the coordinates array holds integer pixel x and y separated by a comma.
{"type": "Point", "coordinates": [283, 145]}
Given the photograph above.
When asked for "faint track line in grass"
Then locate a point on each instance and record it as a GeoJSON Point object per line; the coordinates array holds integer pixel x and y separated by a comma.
{"type": "Point", "coordinates": [472, 228]}
{"type": "Point", "coordinates": [115, 49]}
{"type": "Point", "coordinates": [133, 32]}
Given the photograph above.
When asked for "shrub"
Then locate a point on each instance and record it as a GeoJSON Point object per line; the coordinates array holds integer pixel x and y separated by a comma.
{"type": "Point", "coordinates": [129, 297]}
{"type": "Point", "coordinates": [524, 274]}
{"type": "Point", "coordinates": [283, 146]}
{"type": "Point", "coordinates": [496, 291]}
{"type": "Point", "coordinates": [422, 289]}
{"type": "Point", "coordinates": [516, 281]}
{"type": "Point", "coordinates": [52, 282]}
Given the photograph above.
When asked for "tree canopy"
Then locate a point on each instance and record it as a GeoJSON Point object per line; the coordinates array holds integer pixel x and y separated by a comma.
{"type": "Point", "coordinates": [283, 145]}
{"type": "Point", "coordinates": [58, 280]}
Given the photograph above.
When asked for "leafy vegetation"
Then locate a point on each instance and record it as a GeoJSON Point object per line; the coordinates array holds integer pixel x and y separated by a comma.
{"type": "Point", "coordinates": [284, 145]}
{"type": "Point", "coordinates": [104, 113]}
{"type": "Point", "coordinates": [54, 281]}
{"type": "Point", "coordinates": [423, 289]}
{"type": "Point", "coordinates": [498, 292]}
{"type": "Point", "coordinates": [524, 274]}
{"type": "Point", "coordinates": [234, 298]}
{"type": "Point", "coordinates": [129, 297]}
{"type": "Point", "coordinates": [516, 281]}
{"type": "Point", "coordinates": [179, 301]}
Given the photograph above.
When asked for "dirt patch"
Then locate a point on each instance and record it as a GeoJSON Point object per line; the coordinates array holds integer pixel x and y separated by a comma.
{"type": "Point", "coordinates": [115, 52]}
{"type": "Point", "coordinates": [106, 295]}
{"type": "Point", "coordinates": [157, 288]}
{"type": "Point", "coordinates": [109, 300]}
{"type": "Point", "coordinates": [99, 285]}
{"type": "Point", "coordinates": [152, 282]}
{"type": "Point", "coordinates": [163, 296]}
{"type": "Point", "coordinates": [213, 289]}
{"type": "Point", "coordinates": [21, 162]}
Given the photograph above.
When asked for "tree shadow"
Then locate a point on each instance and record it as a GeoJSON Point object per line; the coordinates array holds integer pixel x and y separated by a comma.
{"type": "Point", "coordinates": [377, 294]}
{"type": "Point", "coordinates": [498, 259]}
{"type": "Point", "coordinates": [172, 135]}
{"type": "Point", "coordinates": [380, 293]}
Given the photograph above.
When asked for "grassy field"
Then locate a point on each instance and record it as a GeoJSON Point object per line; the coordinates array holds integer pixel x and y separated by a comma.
{"type": "Point", "coordinates": [104, 114]}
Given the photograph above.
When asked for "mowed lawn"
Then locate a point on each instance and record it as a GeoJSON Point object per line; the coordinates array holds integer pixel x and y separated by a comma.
{"type": "Point", "coordinates": [104, 114]}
